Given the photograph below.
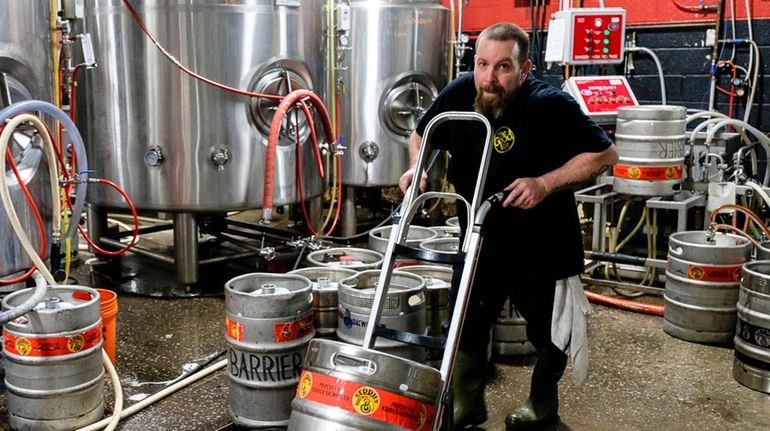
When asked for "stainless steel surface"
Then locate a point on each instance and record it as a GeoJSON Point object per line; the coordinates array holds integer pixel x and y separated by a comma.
{"type": "Point", "coordinates": [396, 65]}
{"type": "Point", "coordinates": [26, 59]}
{"type": "Point", "coordinates": [346, 257]}
{"type": "Point", "coordinates": [378, 237]}
{"type": "Point", "coordinates": [752, 335]}
{"type": "Point", "coordinates": [401, 393]}
{"type": "Point", "coordinates": [702, 280]}
{"type": "Point", "coordinates": [404, 310]}
{"type": "Point", "coordinates": [53, 369]}
{"type": "Point", "coordinates": [137, 106]}
{"type": "Point", "coordinates": [186, 248]}
{"type": "Point", "coordinates": [325, 283]}
{"type": "Point", "coordinates": [650, 138]}
{"type": "Point", "coordinates": [438, 280]}
{"type": "Point", "coordinates": [269, 324]}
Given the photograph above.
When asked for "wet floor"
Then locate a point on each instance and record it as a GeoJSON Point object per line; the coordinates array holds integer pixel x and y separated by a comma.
{"type": "Point", "coordinates": [639, 377]}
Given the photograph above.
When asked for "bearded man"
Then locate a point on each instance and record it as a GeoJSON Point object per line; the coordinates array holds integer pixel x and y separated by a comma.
{"type": "Point", "coordinates": [532, 248]}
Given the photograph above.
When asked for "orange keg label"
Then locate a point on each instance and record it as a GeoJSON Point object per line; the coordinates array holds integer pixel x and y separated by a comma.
{"type": "Point", "coordinates": [714, 273]}
{"type": "Point", "coordinates": [52, 346]}
{"type": "Point", "coordinates": [650, 173]}
{"type": "Point", "coordinates": [234, 329]}
{"type": "Point", "coordinates": [293, 330]}
{"type": "Point", "coordinates": [380, 404]}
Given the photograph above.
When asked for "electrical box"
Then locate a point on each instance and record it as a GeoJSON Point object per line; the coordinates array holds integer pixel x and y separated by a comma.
{"type": "Point", "coordinates": [601, 96]}
{"type": "Point", "coordinates": [586, 36]}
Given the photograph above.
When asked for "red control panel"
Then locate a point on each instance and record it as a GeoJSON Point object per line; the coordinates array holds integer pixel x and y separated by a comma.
{"type": "Point", "coordinates": [597, 37]}
{"type": "Point", "coordinates": [586, 36]}
{"type": "Point", "coordinates": [601, 96]}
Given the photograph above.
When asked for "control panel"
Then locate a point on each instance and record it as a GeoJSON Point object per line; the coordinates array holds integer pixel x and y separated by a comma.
{"type": "Point", "coordinates": [586, 36]}
{"type": "Point", "coordinates": [601, 96]}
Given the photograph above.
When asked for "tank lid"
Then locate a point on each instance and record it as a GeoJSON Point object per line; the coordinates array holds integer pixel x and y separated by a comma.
{"type": "Point", "coordinates": [652, 112]}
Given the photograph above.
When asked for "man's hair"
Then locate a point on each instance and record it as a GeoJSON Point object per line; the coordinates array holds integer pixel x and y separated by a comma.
{"type": "Point", "coordinates": [505, 31]}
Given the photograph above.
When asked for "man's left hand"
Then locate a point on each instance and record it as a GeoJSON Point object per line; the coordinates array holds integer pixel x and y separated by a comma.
{"type": "Point", "coordinates": [525, 193]}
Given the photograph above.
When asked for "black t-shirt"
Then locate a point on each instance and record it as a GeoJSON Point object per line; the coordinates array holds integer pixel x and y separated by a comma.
{"type": "Point", "coordinates": [541, 129]}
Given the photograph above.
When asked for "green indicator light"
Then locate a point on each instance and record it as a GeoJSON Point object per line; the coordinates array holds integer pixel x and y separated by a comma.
{"type": "Point", "coordinates": [606, 32]}
{"type": "Point", "coordinates": [606, 41]}
{"type": "Point", "coordinates": [605, 50]}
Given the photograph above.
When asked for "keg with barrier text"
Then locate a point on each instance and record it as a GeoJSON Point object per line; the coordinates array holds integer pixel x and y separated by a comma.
{"type": "Point", "coordinates": [269, 322]}
{"type": "Point", "coordinates": [53, 358]}
{"type": "Point", "coordinates": [702, 280]}
{"type": "Point", "coordinates": [650, 141]}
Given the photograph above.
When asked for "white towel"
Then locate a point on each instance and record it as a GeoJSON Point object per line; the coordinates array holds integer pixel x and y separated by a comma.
{"type": "Point", "coordinates": [568, 324]}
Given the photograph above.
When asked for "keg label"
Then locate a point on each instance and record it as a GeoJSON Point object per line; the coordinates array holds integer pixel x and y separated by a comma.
{"type": "Point", "coordinates": [264, 367]}
{"type": "Point", "coordinates": [714, 273]}
{"type": "Point", "coordinates": [294, 330]}
{"type": "Point", "coordinates": [234, 329]}
{"type": "Point", "coordinates": [375, 403]}
{"type": "Point", "coordinates": [52, 346]}
{"type": "Point", "coordinates": [648, 173]}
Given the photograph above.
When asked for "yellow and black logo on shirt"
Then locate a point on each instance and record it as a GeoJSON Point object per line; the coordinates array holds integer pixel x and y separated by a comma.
{"type": "Point", "coordinates": [504, 140]}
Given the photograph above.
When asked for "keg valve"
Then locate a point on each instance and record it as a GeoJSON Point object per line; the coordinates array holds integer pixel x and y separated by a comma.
{"type": "Point", "coordinates": [711, 232]}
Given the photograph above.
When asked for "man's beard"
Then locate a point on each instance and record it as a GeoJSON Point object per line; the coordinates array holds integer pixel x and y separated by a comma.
{"type": "Point", "coordinates": [492, 106]}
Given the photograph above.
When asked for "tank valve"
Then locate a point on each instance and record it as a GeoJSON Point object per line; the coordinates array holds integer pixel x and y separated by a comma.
{"type": "Point", "coordinates": [368, 151]}
{"type": "Point", "coordinates": [267, 253]}
{"type": "Point", "coordinates": [153, 157]}
{"type": "Point", "coordinates": [220, 158]}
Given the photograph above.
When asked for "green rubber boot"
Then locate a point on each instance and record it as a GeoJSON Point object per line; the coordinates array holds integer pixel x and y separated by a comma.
{"type": "Point", "coordinates": [542, 408]}
{"type": "Point", "coordinates": [468, 380]}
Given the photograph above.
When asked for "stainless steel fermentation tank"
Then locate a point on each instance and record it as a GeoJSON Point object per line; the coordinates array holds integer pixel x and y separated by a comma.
{"type": "Point", "coordinates": [26, 60]}
{"type": "Point", "coordinates": [178, 145]}
{"type": "Point", "coordinates": [395, 67]}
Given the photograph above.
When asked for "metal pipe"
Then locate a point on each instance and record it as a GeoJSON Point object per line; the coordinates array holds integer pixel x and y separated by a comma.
{"type": "Point", "coordinates": [138, 250]}
{"type": "Point", "coordinates": [186, 248]}
{"type": "Point", "coordinates": [349, 212]}
{"type": "Point", "coordinates": [229, 257]}
{"type": "Point", "coordinates": [625, 258]}
{"type": "Point", "coordinates": [715, 53]}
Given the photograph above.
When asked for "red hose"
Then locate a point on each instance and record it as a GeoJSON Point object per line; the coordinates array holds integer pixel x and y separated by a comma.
{"type": "Point", "coordinates": [625, 304]}
{"type": "Point", "coordinates": [133, 213]}
{"type": "Point", "coordinates": [272, 141]}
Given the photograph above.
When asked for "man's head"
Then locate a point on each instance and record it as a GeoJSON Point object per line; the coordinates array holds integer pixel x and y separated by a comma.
{"type": "Point", "coordinates": [501, 65]}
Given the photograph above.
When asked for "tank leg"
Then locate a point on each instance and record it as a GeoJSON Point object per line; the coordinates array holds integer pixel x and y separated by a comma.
{"type": "Point", "coordinates": [316, 215]}
{"type": "Point", "coordinates": [97, 224]}
{"type": "Point", "coordinates": [186, 249]}
{"type": "Point", "coordinates": [349, 212]}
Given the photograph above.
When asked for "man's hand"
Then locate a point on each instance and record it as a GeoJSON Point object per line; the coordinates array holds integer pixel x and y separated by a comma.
{"type": "Point", "coordinates": [406, 180]}
{"type": "Point", "coordinates": [525, 193]}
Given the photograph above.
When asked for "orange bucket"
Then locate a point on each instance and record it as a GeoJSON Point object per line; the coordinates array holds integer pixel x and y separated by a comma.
{"type": "Point", "coordinates": [109, 301]}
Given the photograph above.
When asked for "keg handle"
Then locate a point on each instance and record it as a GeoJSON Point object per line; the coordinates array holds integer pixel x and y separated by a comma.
{"type": "Point", "coordinates": [351, 364]}
{"type": "Point", "coordinates": [676, 250]}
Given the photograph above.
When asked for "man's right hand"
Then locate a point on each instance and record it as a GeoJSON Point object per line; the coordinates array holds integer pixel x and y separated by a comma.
{"type": "Point", "coordinates": [408, 176]}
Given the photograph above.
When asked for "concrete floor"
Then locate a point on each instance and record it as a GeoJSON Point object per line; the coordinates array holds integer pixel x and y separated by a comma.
{"type": "Point", "coordinates": [639, 377]}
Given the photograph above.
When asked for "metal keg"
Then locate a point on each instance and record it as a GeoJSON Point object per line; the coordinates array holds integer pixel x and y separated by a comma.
{"type": "Point", "coordinates": [325, 280]}
{"type": "Point", "coordinates": [404, 310]}
{"type": "Point", "coordinates": [438, 280]}
{"type": "Point", "coordinates": [379, 237]}
{"type": "Point", "coordinates": [442, 245]}
{"type": "Point", "coordinates": [702, 276]}
{"type": "Point", "coordinates": [53, 360]}
{"type": "Point", "coordinates": [269, 322]}
{"type": "Point", "coordinates": [509, 333]}
{"type": "Point", "coordinates": [650, 141]}
{"type": "Point", "coordinates": [446, 231]}
{"type": "Point", "coordinates": [348, 388]}
{"type": "Point", "coordinates": [751, 366]}
{"type": "Point", "coordinates": [763, 251]}
{"type": "Point", "coordinates": [453, 221]}
{"type": "Point", "coordinates": [347, 257]}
